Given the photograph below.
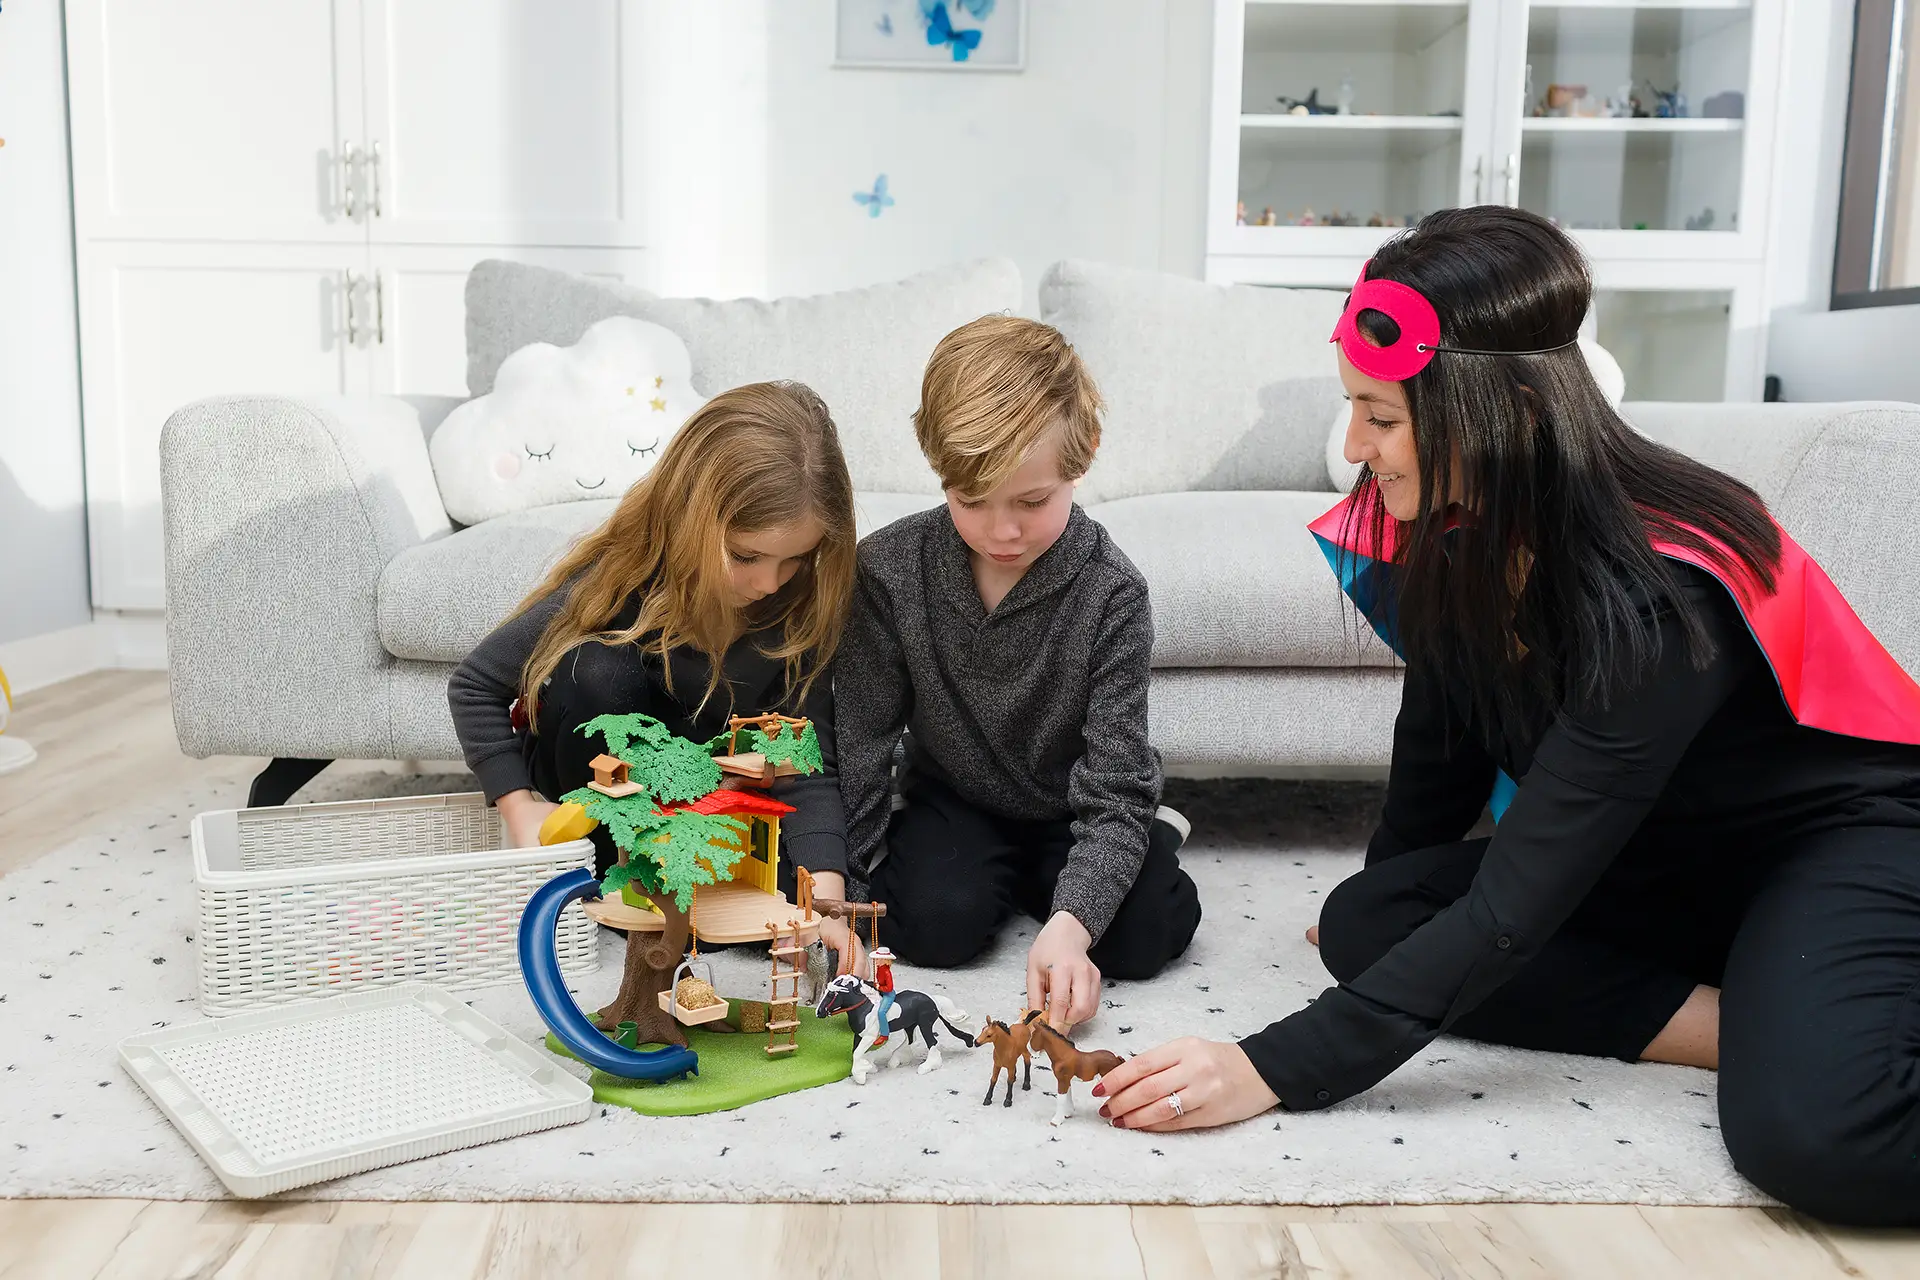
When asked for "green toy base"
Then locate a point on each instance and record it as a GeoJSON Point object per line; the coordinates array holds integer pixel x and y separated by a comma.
{"type": "Point", "coordinates": [734, 1070]}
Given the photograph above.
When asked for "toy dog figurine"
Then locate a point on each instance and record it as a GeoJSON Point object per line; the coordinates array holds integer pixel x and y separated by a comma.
{"type": "Point", "coordinates": [911, 1016]}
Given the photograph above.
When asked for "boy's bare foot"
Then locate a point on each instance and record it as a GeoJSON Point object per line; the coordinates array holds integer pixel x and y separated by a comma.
{"type": "Point", "coordinates": [1313, 934]}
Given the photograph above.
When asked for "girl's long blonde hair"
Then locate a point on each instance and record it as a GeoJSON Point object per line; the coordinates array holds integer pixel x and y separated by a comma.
{"type": "Point", "coordinates": [757, 457]}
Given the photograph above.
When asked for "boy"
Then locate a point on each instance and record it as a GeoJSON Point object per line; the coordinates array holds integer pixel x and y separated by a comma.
{"type": "Point", "coordinates": [1011, 638]}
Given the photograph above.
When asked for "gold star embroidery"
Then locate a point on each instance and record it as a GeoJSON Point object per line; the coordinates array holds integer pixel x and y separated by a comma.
{"type": "Point", "coordinates": [658, 382]}
{"type": "Point", "coordinates": [659, 405]}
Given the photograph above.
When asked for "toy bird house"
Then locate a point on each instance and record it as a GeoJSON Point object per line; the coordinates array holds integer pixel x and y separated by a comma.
{"type": "Point", "coordinates": [611, 777]}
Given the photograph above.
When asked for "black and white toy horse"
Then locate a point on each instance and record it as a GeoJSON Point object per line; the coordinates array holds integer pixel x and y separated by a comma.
{"type": "Point", "coordinates": [912, 1016]}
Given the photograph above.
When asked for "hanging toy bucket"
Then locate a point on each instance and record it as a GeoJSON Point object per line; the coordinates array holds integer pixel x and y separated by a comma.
{"type": "Point", "coordinates": [692, 1000]}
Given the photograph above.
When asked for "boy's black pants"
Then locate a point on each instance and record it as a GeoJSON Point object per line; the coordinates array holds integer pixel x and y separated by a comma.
{"type": "Point", "coordinates": [953, 875]}
{"type": "Point", "coordinates": [1815, 944]}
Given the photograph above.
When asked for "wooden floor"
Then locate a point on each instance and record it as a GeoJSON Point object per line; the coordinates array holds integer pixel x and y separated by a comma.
{"type": "Point", "coordinates": [125, 714]}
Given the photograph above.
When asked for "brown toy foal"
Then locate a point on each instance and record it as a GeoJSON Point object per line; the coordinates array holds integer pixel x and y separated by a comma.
{"type": "Point", "coordinates": [1068, 1063]}
{"type": "Point", "coordinates": [1009, 1051]}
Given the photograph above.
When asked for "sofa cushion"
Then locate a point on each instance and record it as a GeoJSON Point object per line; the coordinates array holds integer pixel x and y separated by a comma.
{"type": "Point", "coordinates": [438, 598]}
{"type": "Point", "coordinates": [863, 350]}
{"type": "Point", "coordinates": [1207, 386]}
{"type": "Point", "coordinates": [1237, 581]}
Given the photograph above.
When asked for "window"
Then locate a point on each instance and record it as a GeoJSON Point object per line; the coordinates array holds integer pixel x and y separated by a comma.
{"type": "Point", "coordinates": [1877, 258]}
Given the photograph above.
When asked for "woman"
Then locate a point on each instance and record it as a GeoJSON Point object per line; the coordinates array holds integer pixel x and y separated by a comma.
{"type": "Point", "coordinates": [1702, 765]}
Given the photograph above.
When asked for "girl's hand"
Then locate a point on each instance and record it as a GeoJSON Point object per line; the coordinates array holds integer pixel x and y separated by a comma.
{"type": "Point", "coordinates": [523, 812]}
{"type": "Point", "coordinates": [1216, 1083]}
{"type": "Point", "coordinates": [1060, 978]}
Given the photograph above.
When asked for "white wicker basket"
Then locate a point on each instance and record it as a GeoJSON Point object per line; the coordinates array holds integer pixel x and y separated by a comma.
{"type": "Point", "coordinates": [318, 899]}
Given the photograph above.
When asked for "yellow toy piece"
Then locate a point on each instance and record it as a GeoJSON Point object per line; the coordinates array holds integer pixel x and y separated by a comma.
{"type": "Point", "coordinates": [568, 822]}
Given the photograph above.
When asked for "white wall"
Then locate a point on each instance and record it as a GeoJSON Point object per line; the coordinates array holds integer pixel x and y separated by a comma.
{"type": "Point", "coordinates": [1097, 150]}
{"type": "Point", "coordinates": [43, 546]}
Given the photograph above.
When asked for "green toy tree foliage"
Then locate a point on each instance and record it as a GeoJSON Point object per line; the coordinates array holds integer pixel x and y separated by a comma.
{"type": "Point", "coordinates": [669, 852]}
{"type": "Point", "coordinates": [670, 769]}
{"type": "Point", "coordinates": [801, 750]}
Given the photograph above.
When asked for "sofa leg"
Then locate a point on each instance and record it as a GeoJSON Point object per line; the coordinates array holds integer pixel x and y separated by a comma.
{"type": "Point", "coordinates": [275, 784]}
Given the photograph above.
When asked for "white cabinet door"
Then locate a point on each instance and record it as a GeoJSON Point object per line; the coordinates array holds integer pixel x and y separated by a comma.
{"type": "Point", "coordinates": [420, 319]}
{"type": "Point", "coordinates": [214, 119]}
{"type": "Point", "coordinates": [163, 325]}
{"type": "Point", "coordinates": [499, 121]}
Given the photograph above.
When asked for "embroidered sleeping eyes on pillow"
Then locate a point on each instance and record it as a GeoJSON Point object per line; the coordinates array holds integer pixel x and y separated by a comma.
{"type": "Point", "coordinates": [564, 424]}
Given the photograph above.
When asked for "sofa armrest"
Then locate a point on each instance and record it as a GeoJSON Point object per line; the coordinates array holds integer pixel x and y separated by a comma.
{"type": "Point", "coordinates": [1843, 479]}
{"type": "Point", "coordinates": [279, 516]}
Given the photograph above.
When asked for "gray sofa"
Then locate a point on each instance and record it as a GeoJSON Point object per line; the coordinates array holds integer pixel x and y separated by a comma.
{"type": "Point", "coordinates": [319, 595]}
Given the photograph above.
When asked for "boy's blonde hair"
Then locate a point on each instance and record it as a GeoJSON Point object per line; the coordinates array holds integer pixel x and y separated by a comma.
{"type": "Point", "coordinates": [993, 388]}
{"type": "Point", "coordinates": [757, 457]}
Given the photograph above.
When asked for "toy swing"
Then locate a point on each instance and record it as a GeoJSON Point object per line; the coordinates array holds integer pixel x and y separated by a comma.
{"type": "Point", "coordinates": [691, 1000]}
{"type": "Point", "coordinates": [854, 910]}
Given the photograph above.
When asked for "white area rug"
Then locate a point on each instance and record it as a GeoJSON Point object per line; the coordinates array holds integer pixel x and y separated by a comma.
{"type": "Point", "coordinates": [98, 946]}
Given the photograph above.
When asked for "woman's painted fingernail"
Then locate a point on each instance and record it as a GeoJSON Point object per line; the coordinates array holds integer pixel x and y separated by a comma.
{"type": "Point", "coordinates": [1105, 1112]}
{"type": "Point", "coordinates": [1100, 1089]}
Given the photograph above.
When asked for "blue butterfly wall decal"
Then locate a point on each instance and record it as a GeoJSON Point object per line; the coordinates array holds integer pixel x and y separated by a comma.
{"type": "Point", "coordinates": [940, 30]}
{"type": "Point", "coordinates": [875, 200]}
{"type": "Point", "coordinates": [885, 25]}
{"type": "Point", "coordinates": [978, 8]}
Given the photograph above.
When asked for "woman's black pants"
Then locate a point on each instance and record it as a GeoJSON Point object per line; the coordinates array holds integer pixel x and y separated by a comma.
{"type": "Point", "coordinates": [1815, 946]}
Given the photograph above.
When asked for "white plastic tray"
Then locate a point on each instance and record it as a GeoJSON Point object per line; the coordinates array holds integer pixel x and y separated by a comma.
{"type": "Point", "coordinates": [286, 1097]}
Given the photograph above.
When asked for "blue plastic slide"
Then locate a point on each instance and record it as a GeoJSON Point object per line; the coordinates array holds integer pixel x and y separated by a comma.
{"type": "Point", "coordinates": [540, 966]}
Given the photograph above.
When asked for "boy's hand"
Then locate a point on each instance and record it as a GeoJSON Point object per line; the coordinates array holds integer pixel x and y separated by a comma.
{"type": "Point", "coordinates": [835, 933]}
{"type": "Point", "coordinates": [1060, 978]}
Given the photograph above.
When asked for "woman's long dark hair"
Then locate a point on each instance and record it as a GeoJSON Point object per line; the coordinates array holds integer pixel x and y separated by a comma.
{"type": "Point", "coordinates": [1560, 495]}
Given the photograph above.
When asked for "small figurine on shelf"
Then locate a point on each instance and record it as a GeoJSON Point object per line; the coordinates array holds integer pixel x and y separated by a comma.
{"type": "Point", "coordinates": [1376, 221]}
{"type": "Point", "coordinates": [913, 1014]}
{"type": "Point", "coordinates": [1307, 106]}
{"type": "Point", "coordinates": [1010, 1051]}
{"type": "Point", "coordinates": [1068, 1063]}
{"type": "Point", "coordinates": [1562, 97]}
{"type": "Point", "coordinates": [1702, 221]}
{"type": "Point", "coordinates": [1620, 105]}
{"type": "Point", "coordinates": [1669, 104]}
{"type": "Point", "coordinates": [1343, 104]}
{"type": "Point", "coordinates": [1240, 213]}
{"type": "Point", "coordinates": [1267, 218]}
{"type": "Point", "coordinates": [1307, 219]}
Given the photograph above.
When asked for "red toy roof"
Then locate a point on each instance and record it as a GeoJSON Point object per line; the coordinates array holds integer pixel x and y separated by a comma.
{"type": "Point", "coordinates": [735, 803]}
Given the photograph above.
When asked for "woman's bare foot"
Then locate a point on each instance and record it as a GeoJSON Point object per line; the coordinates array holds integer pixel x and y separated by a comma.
{"type": "Point", "coordinates": [1691, 1037]}
{"type": "Point", "coordinates": [1313, 934]}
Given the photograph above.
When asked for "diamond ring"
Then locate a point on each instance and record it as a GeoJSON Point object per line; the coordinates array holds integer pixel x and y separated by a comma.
{"type": "Point", "coordinates": [1173, 1100]}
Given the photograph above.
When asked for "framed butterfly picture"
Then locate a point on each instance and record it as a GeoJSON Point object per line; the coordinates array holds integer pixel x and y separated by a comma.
{"type": "Point", "coordinates": [932, 35]}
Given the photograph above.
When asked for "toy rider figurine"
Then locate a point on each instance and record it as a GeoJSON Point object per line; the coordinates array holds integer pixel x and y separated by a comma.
{"type": "Point", "coordinates": [883, 983]}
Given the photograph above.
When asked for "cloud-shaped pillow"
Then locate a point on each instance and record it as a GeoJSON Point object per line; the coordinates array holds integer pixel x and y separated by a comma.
{"type": "Point", "coordinates": [564, 424]}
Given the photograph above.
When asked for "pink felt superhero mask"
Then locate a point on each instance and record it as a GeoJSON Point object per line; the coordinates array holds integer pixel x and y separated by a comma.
{"type": "Point", "coordinates": [1419, 336]}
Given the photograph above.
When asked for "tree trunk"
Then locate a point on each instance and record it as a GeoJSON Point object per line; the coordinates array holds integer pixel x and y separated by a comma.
{"type": "Point", "coordinates": [651, 960]}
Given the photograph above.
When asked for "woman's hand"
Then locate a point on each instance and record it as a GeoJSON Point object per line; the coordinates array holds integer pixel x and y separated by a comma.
{"type": "Point", "coordinates": [523, 812]}
{"type": "Point", "coordinates": [1060, 978]}
{"type": "Point", "coordinates": [1216, 1083]}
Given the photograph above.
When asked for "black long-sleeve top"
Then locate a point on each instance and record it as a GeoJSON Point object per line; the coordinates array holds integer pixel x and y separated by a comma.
{"type": "Point", "coordinates": [483, 687]}
{"type": "Point", "coordinates": [1685, 754]}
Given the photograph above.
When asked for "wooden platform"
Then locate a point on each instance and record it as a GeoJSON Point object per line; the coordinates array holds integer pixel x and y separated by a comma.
{"type": "Point", "coordinates": [722, 913]}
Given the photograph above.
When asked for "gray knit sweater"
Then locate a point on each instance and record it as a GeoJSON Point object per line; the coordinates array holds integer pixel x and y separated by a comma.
{"type": "Point", "coordinates": [1035, 711]}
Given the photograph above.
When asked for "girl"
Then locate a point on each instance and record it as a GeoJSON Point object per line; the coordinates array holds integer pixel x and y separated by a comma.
{"type": "Point", "coordinates": [1712, 854]}
{"type": "Point", "coordinates": [718, 587]}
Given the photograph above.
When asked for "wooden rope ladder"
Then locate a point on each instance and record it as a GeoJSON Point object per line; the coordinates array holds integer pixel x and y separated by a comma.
{"type": "Point", "coordinates": [788, 967]}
